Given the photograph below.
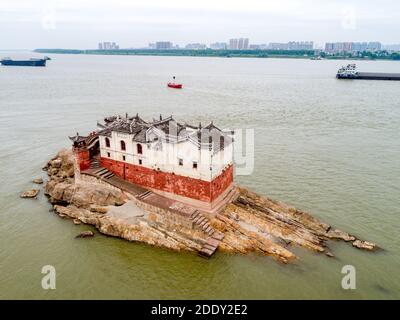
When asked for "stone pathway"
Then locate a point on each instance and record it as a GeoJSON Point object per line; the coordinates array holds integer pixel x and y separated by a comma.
{"type": "Point", "coordinates": [129, 212]}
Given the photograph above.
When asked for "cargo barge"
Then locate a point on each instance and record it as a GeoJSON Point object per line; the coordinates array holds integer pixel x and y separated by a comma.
{"type": "Point", "coordinates": [350, 72]}
{"type": "Point", "coordinates": [25, 63]}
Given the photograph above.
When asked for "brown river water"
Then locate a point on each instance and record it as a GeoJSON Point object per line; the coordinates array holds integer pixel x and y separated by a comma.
{"type": "Point", "coordinates": [327, 146]}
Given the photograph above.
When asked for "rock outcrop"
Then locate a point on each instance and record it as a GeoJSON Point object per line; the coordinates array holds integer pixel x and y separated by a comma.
{"type": "Point", "coordinates": [251, 223]}
{"type": "Point", "coordinates": [256, 223]}
{"type": "Point", "coordinates": [38, 181]}
{"type": "Point", "coordinates": [85, 234]}
{"type": "Point", "coordinates": [30, 193]}
{"type": "Point", "coordinates": [62, 188]}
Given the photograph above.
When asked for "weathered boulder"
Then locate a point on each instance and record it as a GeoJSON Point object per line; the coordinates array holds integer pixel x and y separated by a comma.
{"type": "Point", "coordinates": [30, 193]}
{"type": "Point", "coordinates": [98, 209]}
{"type": "Point", "coordinates": [59, 191]}
{"type": "Point", "coordinates": [56, 163]}
{"type": "Point", "coordinates": [61, 166]}
{"type": "Point", "coordinates": [339, 235]}
{"type": "Point", "coordinates": [364, 245]}
{"type": "Point", "coordinates": [85, 234]}
{"type": "Point", "coordinates": [38, 181]}
{"type": "Point", "coordinates": [83, 194]}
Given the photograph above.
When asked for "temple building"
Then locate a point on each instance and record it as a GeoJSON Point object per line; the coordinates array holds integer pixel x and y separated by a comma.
{"type": "Point", "coordinates": [180, 161]}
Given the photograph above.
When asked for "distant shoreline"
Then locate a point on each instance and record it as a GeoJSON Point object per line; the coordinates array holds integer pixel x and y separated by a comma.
{"type": "Point", "coordinates": [287, 54]}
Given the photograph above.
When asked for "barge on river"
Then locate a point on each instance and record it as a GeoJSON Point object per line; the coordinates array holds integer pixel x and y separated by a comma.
{"type": "Point", "coordinates": [25, 63]}
{"type": "Point", "coordinates": [350, 72]}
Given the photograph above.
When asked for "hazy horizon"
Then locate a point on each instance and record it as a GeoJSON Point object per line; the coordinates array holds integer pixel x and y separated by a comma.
{"type": "Point", "coordinates": [82, 24]}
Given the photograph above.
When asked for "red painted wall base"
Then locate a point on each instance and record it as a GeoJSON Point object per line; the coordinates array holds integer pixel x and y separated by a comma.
{"type": "Point", "coordinates": [82, 157]}
{"type": "Point", "coordinates": [170, 182]}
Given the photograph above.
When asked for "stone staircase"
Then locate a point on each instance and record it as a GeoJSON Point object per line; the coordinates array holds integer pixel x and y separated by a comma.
{"type": "Point", "coordinates": [144, 195]}
{"type": "Point", "coordinates": [201, 222]}
{"type": "Point", "coordinates": [209, 248]}
{"type": "Point", "coordinates": [103, 173]}
{"type": "Point", "coordinates": [230, 196]}
{"type": "Point", "coordinates": [95, 164]}
{"type": "Point", "coordinates": [214, 237]}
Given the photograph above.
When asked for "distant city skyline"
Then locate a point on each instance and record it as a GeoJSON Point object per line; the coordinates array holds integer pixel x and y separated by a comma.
{"type": "Point", "coordinates": [29, 24]}
{"type": "Point", "coordinates": [245, 44]}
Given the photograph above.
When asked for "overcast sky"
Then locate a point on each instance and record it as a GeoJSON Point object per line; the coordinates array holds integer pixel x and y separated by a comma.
{"type": "Point", "coordinates": [29, 24]}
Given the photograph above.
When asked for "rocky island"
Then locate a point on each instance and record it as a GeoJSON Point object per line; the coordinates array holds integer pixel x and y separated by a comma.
{"type": "Point", "coordinates": [171, 185]}
{"type": "Point", "coordinates": [250, 223]}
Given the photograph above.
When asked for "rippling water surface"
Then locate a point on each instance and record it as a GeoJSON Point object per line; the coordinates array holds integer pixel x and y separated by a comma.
{"type": "Point", "coordinates": [327, 146]}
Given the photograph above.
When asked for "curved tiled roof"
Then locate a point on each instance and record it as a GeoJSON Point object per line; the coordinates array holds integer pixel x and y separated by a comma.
{"type": "Point", "coordinates": [138, 127]}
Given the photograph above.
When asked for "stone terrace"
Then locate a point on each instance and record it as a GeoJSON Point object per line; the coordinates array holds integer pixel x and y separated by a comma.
{"type": "Point", "coordinates": [198, 219]}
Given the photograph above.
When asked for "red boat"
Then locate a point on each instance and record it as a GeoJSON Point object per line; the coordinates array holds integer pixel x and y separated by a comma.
{"type": "Point", "coordinates": [174, 85]}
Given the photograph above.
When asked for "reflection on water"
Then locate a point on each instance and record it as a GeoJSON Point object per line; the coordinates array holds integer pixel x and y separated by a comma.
{"type": "Point", "coordinates": [327, 146]}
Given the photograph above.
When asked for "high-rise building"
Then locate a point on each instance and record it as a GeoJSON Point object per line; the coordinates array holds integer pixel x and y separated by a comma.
{"type": "Point", "coordinates": [246, 43]}
{"type": "Point", "coordinates": [292, 45]}
{"type": "Point", "coordinates": [255, 47]}
{"type": "Point", "coordinates": [233, 44]}
{"type": "Point", "coordinates": [340, 47]}
{"type": "Point", "coordinates": [239, 44]}
{"type": "Point", "coordinates": [359, 46]}
{"type": "Point", "coordinates": [329, 47]}
{"type": "Point", "coordinates": [261, 46]}
{"type": "Point", "coordinates": [196, 46]}
{"type": "Point", "coordinates": [392, 47]}
{"type": "Point", "coordinates": [108, 46]}
{"type": "Point", "coordinates": [374, 46]}
{"type": "Point", "coordinates": [278, 46]}
{"type": "Point", "coordinates": [218, 46]}
{"type": "Point", "coordinates": [164, 45]}
{"type": "Point", "coordinates": [303, 45]}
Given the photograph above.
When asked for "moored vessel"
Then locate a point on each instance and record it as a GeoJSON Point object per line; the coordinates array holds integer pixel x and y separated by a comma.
{"type": "Point", "coordinates": [350, 72]}
{"type": "Point", "coordinates": [33, 62]}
